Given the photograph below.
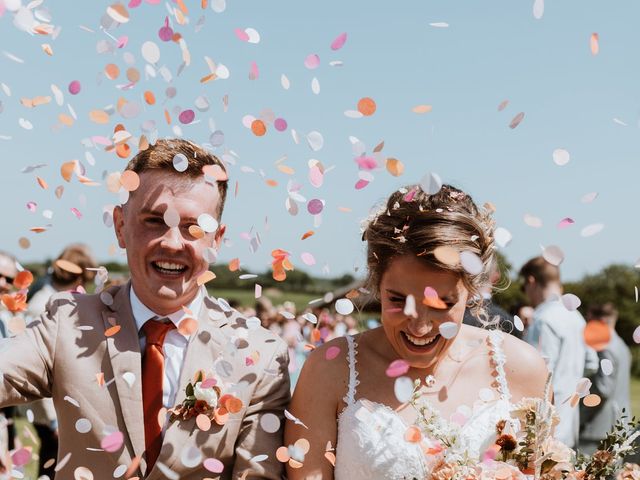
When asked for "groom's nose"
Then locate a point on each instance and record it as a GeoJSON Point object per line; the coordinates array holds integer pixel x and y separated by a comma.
{"type": "Point", "coordinates": [172, 239]}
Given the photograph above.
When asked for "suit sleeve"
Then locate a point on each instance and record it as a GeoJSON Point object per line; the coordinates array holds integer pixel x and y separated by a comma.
{"type": "Point", "coordinates": [549, 345]}
{"type": "Point", "coordinates": [26, 360]}
{"type": "Point", "coordinates": [272, 395]}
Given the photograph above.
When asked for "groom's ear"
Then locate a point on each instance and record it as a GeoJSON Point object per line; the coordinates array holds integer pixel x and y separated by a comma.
{"type": "Point", "coordinates": [118, 225]}
{"type": "Point", "coordinates": [220, 235]}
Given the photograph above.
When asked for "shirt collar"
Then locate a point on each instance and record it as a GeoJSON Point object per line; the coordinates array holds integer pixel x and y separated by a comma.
{"type": "Point", "coordinates": [142, 313]}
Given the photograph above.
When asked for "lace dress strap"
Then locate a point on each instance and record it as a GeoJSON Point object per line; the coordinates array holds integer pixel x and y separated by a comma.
{"type": "Point", "coordinates": [496, 338]}
{"type": "Point", "coordinates": [350, 397]}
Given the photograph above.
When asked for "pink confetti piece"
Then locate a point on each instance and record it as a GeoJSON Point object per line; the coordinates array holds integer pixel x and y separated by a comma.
{"type": "Point", "coordinates": [636, 335]}
{"type": "Point", "coordinates": [397, 368]}
{"type": "Point", "coordinates": [430, 292]}
{"type": "Point", "coordinates": [315, 206]}
{"type": "Point", "coordinates": [360, 184]}
{"type": "Point", "coordinates": [76, 212]}
{"type": "Point", "coordinates": [122, 41]}
{"type": "Point", "coordinates": [113, 442]}
{"type": "Point", "coordinates": [566, 222]}
{"type": "Point", "coordinates": [74, 87]}
{"type": "Point", "coordinates": [186, 116]}
{"type": "Point", "coordinates": [21, 457]}
{"type": "Point", "coordinates": [208, 383]}
{"type": "Point", "coordinates": [165, 33]}
{"type": "Point", "coordinates": [134, 3]}
{"type": "Point", "coordinates": [410, 195]}
{"type": "Point", "coordinates": [503, 105]}
{"type": "Point", "coordinates": [308, 258]}
{"type": "Point", "coordinates": [213, 465]}
{"type": "Point", "coordinates": [31, 206]}
{"type": "Point", "coordinates": [316, 177]}
{"type": "Point", "coordinates": [241, 34]}
{"type": "Point", "coordinates": [332, 353]}
{"type": "Point", "coordinates": [253, 71]}
{"type": "Point", "coordinates": [280, 124]}
{"type": "Point", "coordinates": [339, 41]}
{"type": "Point", "coordinates": [312, 61]}
{"type": "Point", "coordinates": [366, 163]}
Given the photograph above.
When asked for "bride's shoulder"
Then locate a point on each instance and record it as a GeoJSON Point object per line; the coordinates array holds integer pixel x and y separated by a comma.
{"type": "Point", "coordinates": [526, 370]}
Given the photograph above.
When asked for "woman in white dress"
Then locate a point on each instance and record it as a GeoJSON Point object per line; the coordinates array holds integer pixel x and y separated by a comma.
{"type": "Point", "coordinates": [421, 250]}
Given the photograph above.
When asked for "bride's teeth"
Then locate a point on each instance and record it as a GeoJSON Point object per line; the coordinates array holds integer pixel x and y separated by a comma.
{"type": "Point", "coordinates": [419, 341]}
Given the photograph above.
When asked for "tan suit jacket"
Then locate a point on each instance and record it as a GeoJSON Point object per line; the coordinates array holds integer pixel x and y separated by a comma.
{"type": "Point", "coordinates": [63, 351]}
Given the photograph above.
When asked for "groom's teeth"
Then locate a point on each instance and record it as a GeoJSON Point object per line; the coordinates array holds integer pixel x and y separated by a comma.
{"type": "Point", "coordinates": [170, 266]}
{"type": "Point", "coordinates": [419, 341]}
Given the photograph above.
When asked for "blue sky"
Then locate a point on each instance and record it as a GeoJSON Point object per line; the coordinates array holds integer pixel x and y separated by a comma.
{"type": "Point", "coordinates": [490, 52]}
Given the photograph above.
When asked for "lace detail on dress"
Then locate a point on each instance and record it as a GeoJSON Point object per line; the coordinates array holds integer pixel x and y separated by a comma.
{"type": "Point", "coordinates": [350, 397]}
{"type": "Point", "coordinates": [496, 338]}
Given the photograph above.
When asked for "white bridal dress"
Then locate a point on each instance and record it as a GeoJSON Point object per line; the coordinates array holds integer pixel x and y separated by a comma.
{"type": "Point", "coordinates": [371, 442]}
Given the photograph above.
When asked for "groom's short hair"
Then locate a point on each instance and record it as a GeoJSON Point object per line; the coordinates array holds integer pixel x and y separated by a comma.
{"type": "Point", "coordinates": [160, 157]}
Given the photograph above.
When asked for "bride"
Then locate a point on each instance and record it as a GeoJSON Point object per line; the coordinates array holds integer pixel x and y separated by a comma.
{"type": "Point", "coordinates": [421, 250]}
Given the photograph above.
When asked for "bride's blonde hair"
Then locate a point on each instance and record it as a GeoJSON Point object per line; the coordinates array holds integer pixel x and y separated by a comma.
{"type": "Point", "coordinates": [412, 222]}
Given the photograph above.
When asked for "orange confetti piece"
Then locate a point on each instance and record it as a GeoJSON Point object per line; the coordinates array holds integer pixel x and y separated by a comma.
{"type": "Point", "coordinates": [68, 266]}
{"type": "Point", "coordinates": [111, 331]}
{"type": "Point", "coordinates": [65, 119]}
{"type": "Point", "coordinates": [188, 326]}
{"type": "Point", "coordinates": [215, 171]}
{"type": "Point", "coordinates": [592, 400]}
{"type": "Point", "coordinates": [221, 416]}
{"type": "Point", "coordinates": [130, 180]}
{"type": "Point", "coordinates": [316, 335]}
{"type": "Point", "coordinates": [196, 232]}
{"type": "Point", "coordinates": [271, 183]}
{"type": "Point", "coordinates": [287, 170]}
{"type": "Point", "coordinates": [345, 209]}
{"type": "Point", "coordinates": [38, 229]}
{"type": "Point", "coordinates": [258, 128]}
{"type": "Point", "coordinates": [149, 97]}
{"type": "Point", "coordinates": [99, 116]}
{"type": "Point", "coordinates": [204, 4]}
{"type": "Point", "coordinates": [143, 144]}
{"type": "Point", "coordinates": [205, 277]}
{"type": "Point", "coordinates": [100, 379]}
{"type": "Point", "coordinates": [234, 264]}
{"type": "Point", "coordinates": [123, 150]}
{"type": "Point", "coordinates": [434, 302]}
{"type": "Point", "coordinates": [412, 434]}
{"type": "Point", "coordinates": [595, 44]}
{"type": "Point", "coordinates": [15, 302]}
{"type": "Point", "coordinates": [183, 7]}
{"type": "Point", "coordinates": [111, 71]}
{"type": "Point", "coordinates": [420, 109]}
{"type": "Point", "coordinates": [208, 78]}
{"type": "Point", "coordinates": [331, 457]}
{"type": "Point", "coordinates": [367, 106]}
{"type": "Point", "coordinates": [42, 183]}
{"type": "Point", "coordinates": [203, 422]}
{"type": "Point", "coordinates": [46, 48]}
{"type": "Point", "coordinates": [395, 167]}
{"type": "Point", "coordinates": [167, 117]}
{"type": "Point", "coordinates": [308, 347]}
{"type": "Point", "coordinates": [67, 169]}
{"type": "Point", "coordinates": [233, 404]}
{"type": "Point", "coordinates": [23, 279]}
{"type": "Point", "coordinates": [307, 234]}
{"type": "Point", "coordinates": [282, 454]}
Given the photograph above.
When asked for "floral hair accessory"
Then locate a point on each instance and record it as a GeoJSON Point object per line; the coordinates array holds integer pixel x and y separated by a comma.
{"type": "Point", "coordinates": [204, 399]}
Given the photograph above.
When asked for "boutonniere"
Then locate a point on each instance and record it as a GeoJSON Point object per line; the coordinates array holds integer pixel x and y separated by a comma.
{"type": "Point", "coordinates": [204, 398]}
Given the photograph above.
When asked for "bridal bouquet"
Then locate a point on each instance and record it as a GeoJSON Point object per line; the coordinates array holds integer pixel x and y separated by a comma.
{"type": "Point", "coordinates": [523, 448]}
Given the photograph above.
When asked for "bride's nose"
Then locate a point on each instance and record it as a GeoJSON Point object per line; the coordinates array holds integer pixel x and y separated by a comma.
{"type": "Point", "coordinates": [420, 326]}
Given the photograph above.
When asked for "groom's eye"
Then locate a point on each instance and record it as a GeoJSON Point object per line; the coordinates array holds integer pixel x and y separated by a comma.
{"type": "Point", "coordinates": [397, 299]}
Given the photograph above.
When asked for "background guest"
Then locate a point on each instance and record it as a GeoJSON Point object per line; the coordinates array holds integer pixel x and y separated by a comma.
{"type": "Point", "coordinates": [558, 335]}
{"type": "Point", "coordinates": [68, 275]}
{"type": "Point", "coordinates": [611, 382]}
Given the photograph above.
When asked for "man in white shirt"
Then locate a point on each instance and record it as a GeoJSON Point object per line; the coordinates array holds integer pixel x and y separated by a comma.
{"type": "Point", "coordinates": [119, 363]}
{"type": "Point", "coordinates": [558, 335]}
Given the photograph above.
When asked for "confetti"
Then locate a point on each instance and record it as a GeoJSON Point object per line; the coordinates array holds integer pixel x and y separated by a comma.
{"type": "Point", "coordinates": [431, 183]}
{"type": "Point", "coordinates": [561, 157]}
{"type": "Point", "coordinates": [515, 121]}
{"type": "Point", "coordinates": [532, 220]}
{"type": "Point", "coordinates": [403, 389]}
{"type": "Point", "coordinates": [74, 87]}
{"type": "Point", "coordinates": [397, 368]}
{"type": "Point", "coordinates": [594, 43]}
{"type": "Point", "coordinates": [538, 9]}
{"type": "Point", "coordinates": [339, 42]}
{"type": "Point", "coordinates": [591, 230]}
{"type": "Point", "coordinates": [565, 222]}
{"type": "Point", "coordinates": [367, 106]}
{"type": "Point", "coordinates": [421, 109]}
{"type": "Point", "coordinates": [344, 306]}
{"type": "Point", "coordinates": [553, 254]}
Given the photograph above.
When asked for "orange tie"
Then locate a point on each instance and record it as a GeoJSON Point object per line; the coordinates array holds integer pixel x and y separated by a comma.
{"type": "Point", "coordinates": [152, 378]}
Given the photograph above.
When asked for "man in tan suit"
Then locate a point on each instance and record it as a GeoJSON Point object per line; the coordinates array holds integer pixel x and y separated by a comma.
{"type": "Point", "coordinates": [116, 362]}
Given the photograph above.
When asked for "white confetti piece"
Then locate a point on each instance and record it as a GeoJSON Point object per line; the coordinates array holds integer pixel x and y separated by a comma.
{"type": "Point", "coordinates": [439, 24]}
{"type": "Point", "coordinates": [570, 301]}
{"type": "Point", "coordinates": [26, 124]}
{"type": "Point", "coordinates": [11, 56]}
{"type": "Point", "coordinates": [502, 237]}
{"type": "Point", "coordinates": [403, 389]}
{"type": "Point", "coordinates": [410, 307]}
{"type": "Point", "coordinates": [518, 324]}
{"type": "Point", "coordinates": [431, 183]}
{"type": "Point", "coordinates": [532, 220]}
{"type": "Point", "coordinates": [538, 9]}
{"type": "Point", "coordinates": [344, 306]}
{"type": "Point", "coordinates": [284, 81]}
{"type": "Point", "coordinates": [607, 366]}
{"type": "Point", "coordinates": [315, 86]}
{"type": "Point", "coordinates": [449, 330]}
{"type": "Point", "coordinates": [553, 254]}
{"type": "Point", "coordinates": [589, 197]}
{"type": "Point", "coordinates": [471, 262]}
{"type": "Point", "coordinates": [561, 157]}
{"type": "Point", "coordinates": [591, 230]}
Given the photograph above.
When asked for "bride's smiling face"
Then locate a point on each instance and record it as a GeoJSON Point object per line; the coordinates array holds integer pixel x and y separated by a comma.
{"type": "Point", "coordinates": [415, 334]}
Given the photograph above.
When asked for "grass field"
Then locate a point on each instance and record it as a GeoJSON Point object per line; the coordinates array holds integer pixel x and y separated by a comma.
{"type": "Point", "coordinates": [247, 298]}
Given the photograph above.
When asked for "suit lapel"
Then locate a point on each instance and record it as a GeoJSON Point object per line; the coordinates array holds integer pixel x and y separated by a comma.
{"type": "Point", "coordinates": [124, 352]}
{"type": "Point", "coordinates": [203, 348]}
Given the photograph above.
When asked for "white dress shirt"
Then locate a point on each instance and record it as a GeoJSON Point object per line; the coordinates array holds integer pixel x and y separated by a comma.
{"type": "Point", "coordinates": [175, 343]}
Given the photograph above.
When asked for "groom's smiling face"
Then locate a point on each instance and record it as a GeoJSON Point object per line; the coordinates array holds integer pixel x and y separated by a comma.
{"type": "Point", "coordinates": [165, 258]}
{"type": "Point", "coordinates": [413, 327]}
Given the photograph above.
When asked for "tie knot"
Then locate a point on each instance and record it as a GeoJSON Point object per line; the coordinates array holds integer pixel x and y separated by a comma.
{"type": "Point", "coordinates": [156, 330]}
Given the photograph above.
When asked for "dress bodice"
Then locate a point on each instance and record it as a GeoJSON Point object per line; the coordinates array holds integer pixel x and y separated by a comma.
{"type": "Point", "coordinates": [371, 436]}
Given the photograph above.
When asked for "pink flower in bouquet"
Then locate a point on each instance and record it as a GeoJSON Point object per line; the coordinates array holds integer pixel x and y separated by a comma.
{"type": "Point", "coordinates": [559, 452]}
{"type": "Point", "coordinates": [631, 471]}
{"type": "Point", "coordinates": [500, 471]}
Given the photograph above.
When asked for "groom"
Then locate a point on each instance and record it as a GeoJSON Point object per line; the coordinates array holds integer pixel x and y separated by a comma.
{"type": "Point", "coordinates": [118, 364]}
